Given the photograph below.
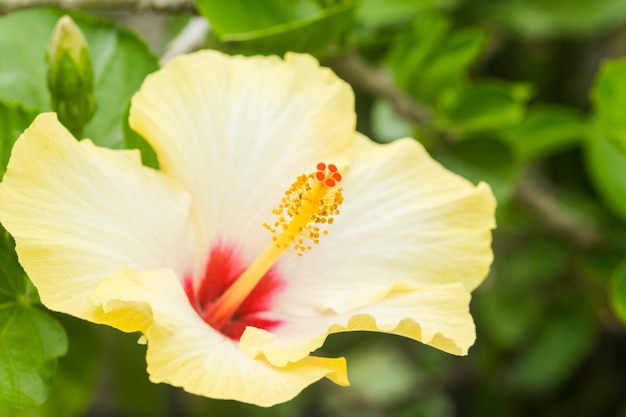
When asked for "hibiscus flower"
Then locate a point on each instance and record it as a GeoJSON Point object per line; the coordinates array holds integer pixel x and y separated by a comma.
{"type": "Point", "coordinates": [270, 224]}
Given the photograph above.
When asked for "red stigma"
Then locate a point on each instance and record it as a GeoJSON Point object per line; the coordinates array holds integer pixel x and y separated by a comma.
{"type": "Point", "coordinates": [328, 174]}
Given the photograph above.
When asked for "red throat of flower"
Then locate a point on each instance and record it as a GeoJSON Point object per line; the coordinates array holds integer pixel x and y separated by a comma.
{"type": "Point", "coordinates": [231, 295]}
{"type": "Point", "coordinates": [223, 268]}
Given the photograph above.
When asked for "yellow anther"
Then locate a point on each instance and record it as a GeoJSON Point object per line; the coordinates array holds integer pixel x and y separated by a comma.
{"type": "Point", "coordinates": [312, 199]}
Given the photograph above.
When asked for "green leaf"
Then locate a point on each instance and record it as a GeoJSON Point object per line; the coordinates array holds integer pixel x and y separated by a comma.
{"type": "Point", "coordinates": [565, 339]}
{"type": "Point", "coordinates": [13, 120]}
{"type": "Point", "coordinates": [617, 291]}
{"type": "Point", "coordinates": [387, 126]}
{"type": "Point", "coordinates": [135, 141]}
{"type": "Point", "coordinates": [394, 377]}
{"type": "Point", "coordinates": [554, 17]}
{"type": "Point", "coordinates": [30, 339]}
{"type": "Point", "coordinates": [236, 17]}
{"type": "Point", "coordinates": [448, 68]}
{"type": "Point", "coordinates": [131, 385]}
{"type": "Point", "coordinates": [278, 26]}
{"type": "Point", "coordinates": [609, 99]}
{"type": "Point", "coordinates": [505, 317]}
{"type": "Point", "coordinates": [440, 404]}
{"type": "Point", "coordinates": [487, 105]}
{"type": "Point", "coordinates": [120, 60]}
{"type": "Point", "coordinates": [377, 13]}
{"type": "Point", "coordinates": [546, 129]}
{"type": "Point", "coordinates": [502, 309]}
{"type": "Point", "coordinates": [538, 262]}
{"type": "Point", "coordinates": [76, 375]}
{"type": "Point", "coordinates": [607, 169]}
{"type": "Point", "coordinates": [483, 159]}
{"type": "Point", "coordinates": [430, 61]}
{"type": "Point", "coordinates": [411, 53]}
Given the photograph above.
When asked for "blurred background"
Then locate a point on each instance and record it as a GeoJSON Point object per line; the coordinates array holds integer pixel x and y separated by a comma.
{"type": "Point", "coordinates": [527, 95]}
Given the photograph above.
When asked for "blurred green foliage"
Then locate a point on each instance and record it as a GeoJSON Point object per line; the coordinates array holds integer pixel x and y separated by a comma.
{"type": "Point", "coordinates": [525, 95]}
{"type": "Point", "coordinates": [556, 17]}
{"type": "Point", "coordinates": [609, 100]}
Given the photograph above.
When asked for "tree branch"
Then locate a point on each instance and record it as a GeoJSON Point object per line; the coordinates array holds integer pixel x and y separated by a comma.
{"type": "Point", "coordinates": [550, 213]}
{"type": "Point", "coordinates": [7, 6]}
{"type": "Point", "coordinates": [354, 69]}
{"type": "Point", "coordinates": [191, 38]}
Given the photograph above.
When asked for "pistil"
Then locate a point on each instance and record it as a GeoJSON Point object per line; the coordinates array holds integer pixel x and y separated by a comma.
{"type": "Point", "coordinates": [311, 200]}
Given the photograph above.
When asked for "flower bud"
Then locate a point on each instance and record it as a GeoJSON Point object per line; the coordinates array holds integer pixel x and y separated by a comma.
{"type": "Point", "coordinates": [70, 76]}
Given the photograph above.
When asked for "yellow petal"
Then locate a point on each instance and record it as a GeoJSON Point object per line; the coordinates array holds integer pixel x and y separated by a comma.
{"type": "Point", "coordinates": [184, 351]}
{"type": "Point", "coordinates": [237, 131]}
{"type": "Point", "coordinates": [411, 242]}
{"type": "Point", "coordinates": [437, 316]}
{"type": "Point", "coordinates": [79, 213]}
{"type": "Point", "coordinates": [406, 222]}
